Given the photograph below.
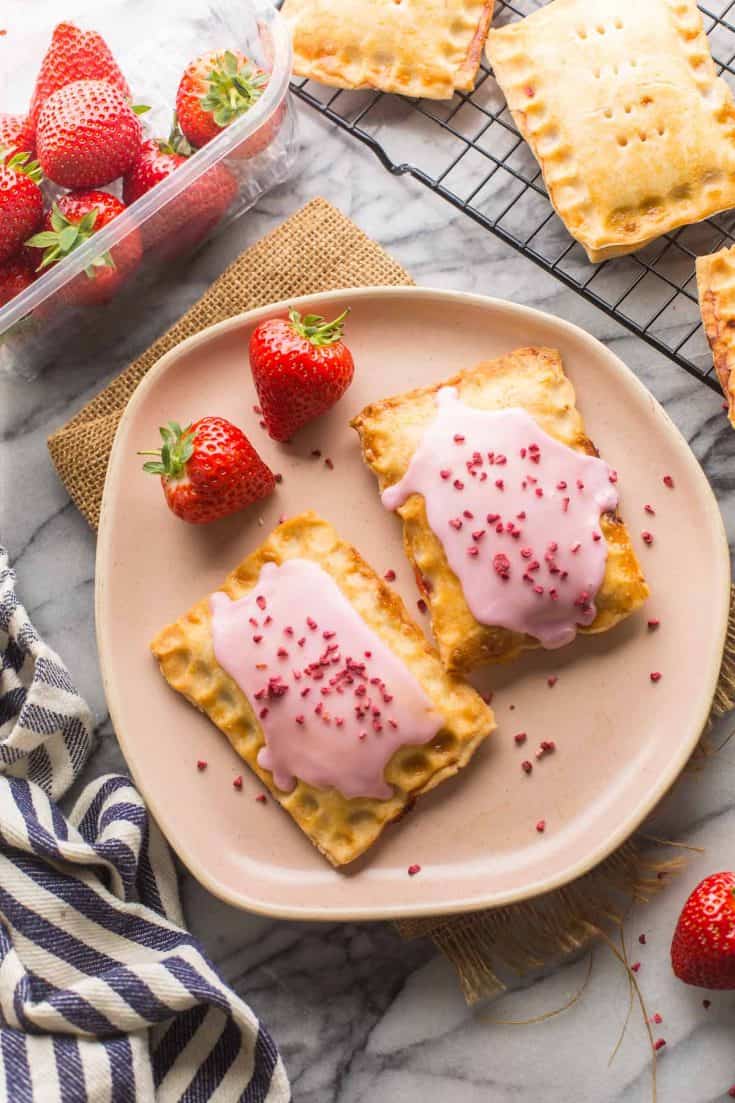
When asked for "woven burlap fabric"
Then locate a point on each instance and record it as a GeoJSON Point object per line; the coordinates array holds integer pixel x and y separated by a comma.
{"type": "Point", "coordinates": [319, 249]}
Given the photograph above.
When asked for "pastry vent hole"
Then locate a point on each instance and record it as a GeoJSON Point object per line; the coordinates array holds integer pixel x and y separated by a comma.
{"type": "Point", "coordinates": [646, 101]}
{"type": "Point", "coordinates": [622, 140]}
{"type": "Point", "coordinates": [414, 763]}
{"type": "Point", "coordinates": [444, 743]}
{"type": "Point", "coordinates": [608, 113]}
{"type": "Point", "coordinates": [582, 32]}
{"type": "Point", "coordinates": [661, 131]}
{"type": "Point", "coordinates": [618, 23]}
{"type": "Point", "coordinates": [600, 28]}
{"type": "Point", "coordinates": [628, 108]}
{"type": "Point", "coordinates": [596, 74]}
{"type": "Point", "coordinates": [361, 817]}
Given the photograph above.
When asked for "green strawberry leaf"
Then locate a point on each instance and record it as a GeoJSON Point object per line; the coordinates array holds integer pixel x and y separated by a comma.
{"type": "Point", "coordinates": [177, 448]}
{"type": "Point", "coordinates": [314, 328]}
{"type": "Point", "coordinates": [87, 224]}
{"type": "Point", "coordinates": [57, 219]}
{"type": "Point", "coordinates": [43, 239]}
{"type": "Point", "coordinates": [68, 238]}
{"type": "Point", "coordinates": [140, 108]}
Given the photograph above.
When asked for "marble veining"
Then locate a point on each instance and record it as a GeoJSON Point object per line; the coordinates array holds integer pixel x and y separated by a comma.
{"type": "Point", "coordinates": [359, 1015]}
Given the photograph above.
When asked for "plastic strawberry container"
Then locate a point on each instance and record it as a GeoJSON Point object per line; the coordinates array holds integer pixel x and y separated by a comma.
{"type": "Point", "coordinates": [152, 43]}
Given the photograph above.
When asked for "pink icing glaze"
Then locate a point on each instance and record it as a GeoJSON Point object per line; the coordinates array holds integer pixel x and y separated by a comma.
{"type": "Point", "coordinates": [333, 700]}
{"type": "Point", "coordinates": [518, 515]}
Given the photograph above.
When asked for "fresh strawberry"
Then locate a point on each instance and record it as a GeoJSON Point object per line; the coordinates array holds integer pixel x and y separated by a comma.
{"type": "Point", "coordinates": [703, 950]}
{"type": "Point", "coordinates": [301, 367]}
{"type": "Point", "coordinates": [74, 55]}
{"type": "Point", "coordinates": [208, 470]}
{"type": "Point", "coordinates": [72, 221]}
{"type": "Point", "coordinates": [21, 203]}
{"type": "Point", "coordinates": [16, 135]}
{"type": "Point", "coordinates": [15, 275]}
{"type": "Point", "coordinates": [87, 135]}
{"type": "Point", "coordinates": [189, 217]}
{"type": "Point", "coordinates": [215, 90]}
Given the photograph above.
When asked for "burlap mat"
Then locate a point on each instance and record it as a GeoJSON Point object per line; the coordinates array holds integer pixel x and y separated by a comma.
{"type": "Point", "coordinates": [319, 249]}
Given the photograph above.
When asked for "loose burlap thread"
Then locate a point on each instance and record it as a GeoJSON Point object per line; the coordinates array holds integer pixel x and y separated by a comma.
{"type": "Point", "coordinates": [320, 249]}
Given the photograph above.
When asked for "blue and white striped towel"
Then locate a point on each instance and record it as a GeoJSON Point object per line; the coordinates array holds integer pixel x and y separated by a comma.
{"type": "Point", "coordinates": [104, 997]}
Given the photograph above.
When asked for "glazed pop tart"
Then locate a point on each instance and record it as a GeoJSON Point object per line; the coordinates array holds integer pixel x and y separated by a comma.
{"type": "Point", "coordinates": [510, 517]}
{"type": "Point", "coordinates": [310, 665]}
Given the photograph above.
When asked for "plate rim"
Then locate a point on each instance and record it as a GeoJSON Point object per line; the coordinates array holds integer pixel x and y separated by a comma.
{"type": "Point", "coordinates": [454, 906]}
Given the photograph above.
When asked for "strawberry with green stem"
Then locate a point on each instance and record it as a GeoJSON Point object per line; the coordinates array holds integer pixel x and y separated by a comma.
{"type": "Point", "coordinates": [208, 470]}
{"type": "Point", "coordinates": [301, 367]}
{"type": "Point", "coordinates": [72, 220]}
{"type": "Point", "coordinates": [217, 89]}
{"type": "Point", "coordinates": [189, 217]}
{"type": "Point", "coordinates": [21, 202]}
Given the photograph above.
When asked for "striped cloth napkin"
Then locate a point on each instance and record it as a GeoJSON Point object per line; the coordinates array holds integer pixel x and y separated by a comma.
{"type": "Point", "coordinates": [103, 994]}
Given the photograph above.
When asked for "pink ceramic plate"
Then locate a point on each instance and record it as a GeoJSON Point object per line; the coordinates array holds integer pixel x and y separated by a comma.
{"type": "Point", "coordinates": [621, 740]}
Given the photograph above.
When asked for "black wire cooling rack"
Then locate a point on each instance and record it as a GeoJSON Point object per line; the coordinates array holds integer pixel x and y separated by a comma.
{"type": "Point", "coordinates": [468, 151]}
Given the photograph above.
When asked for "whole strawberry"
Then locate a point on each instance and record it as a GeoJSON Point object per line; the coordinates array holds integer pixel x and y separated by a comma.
{"type": "Point", "coordinates": [188, 217]}
{"type": "Point", "coordinates": [72, 220]}
{"type": "Point", "coordinates": [87, 135]}
{"type": "Point", "coordinates": [301, 367]}
{"type": "Point", "coordinates": [21, 203]}
{"type": "Point", "coordinates": [16, 135]}
{"type": "Point", "coordinates": [703, 949]}
{"type": "Point", "coordinates": [15, 275]}
{"type": "Point", "coordinates": [74, 55]}
{"type": "Point", "coordinates": [208, 470]}
{"type": "Point", "coordinates": [215, 90]}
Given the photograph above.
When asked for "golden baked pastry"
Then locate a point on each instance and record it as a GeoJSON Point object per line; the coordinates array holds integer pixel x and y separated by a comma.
{"type": "Point", "coordinates": [527, 382]}
{"type": "Point", "coordinates": [623, 109]}
{"type": "Point", "coordinates": [716, 286]}
{"type": "Point", "coordinates": [454, 719]}
{"type": "Point", "coordinates": [423, 48]}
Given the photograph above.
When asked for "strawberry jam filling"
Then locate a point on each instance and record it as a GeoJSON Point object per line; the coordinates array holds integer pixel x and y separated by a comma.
{"type": "Point", "coordinates": [518, 517]}
{"type": "Point", "coordinates": [333, 701]}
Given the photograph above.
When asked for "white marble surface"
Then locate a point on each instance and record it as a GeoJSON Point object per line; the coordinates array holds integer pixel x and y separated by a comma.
{"type": "Point", "coordinates": [358, 1014]}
